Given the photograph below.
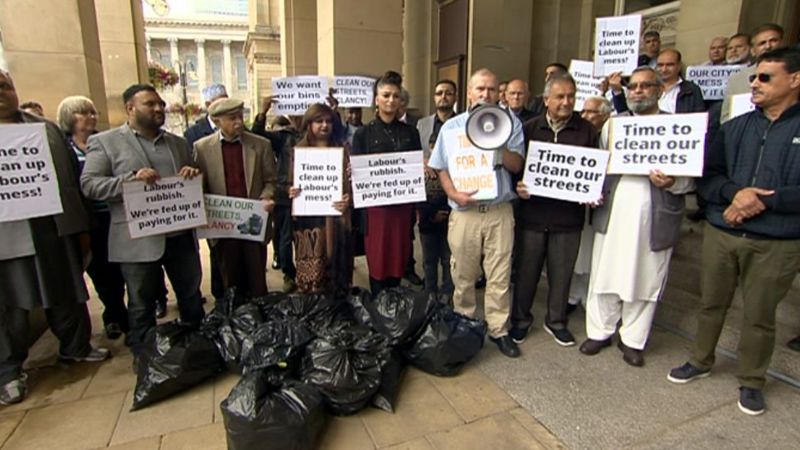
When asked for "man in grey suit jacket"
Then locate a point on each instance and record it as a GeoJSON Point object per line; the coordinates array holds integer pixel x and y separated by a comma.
{"type": "Point", "coordinates": [141, 151]}
{"type": "Point", "coordinates": [41, 265]}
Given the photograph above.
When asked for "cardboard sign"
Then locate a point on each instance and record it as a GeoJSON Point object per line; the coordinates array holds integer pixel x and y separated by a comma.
{"type": "Point", "coordinates": [354, 91]}
{"type": "Point", "coordinates": [295, 94]}
{"type": "Point", "coordinates": [234, 218]}
{"type": "Point", "coordinates": [469, 167]}
{"type": "Point", "coordinates": [169, 204]}
{"type": "Point", "coordinates": [713, 80]}
{"type": "Point", "coordinates": [586, 83]}
{"type": "Point", "coordinates": [388, 179]}
{"type": "Point", "coordinates": [28, 182]}
{"type": "Point", "coordinates": [565, 172]}
{"type": "Point", "coordinates": [616, 45]}
{"type": "Point", "coordinates": [741, 104]}
{"type": "Point", "coordinates": [318, 174]}
{"type": "Point", "coordinates": [671, 143]}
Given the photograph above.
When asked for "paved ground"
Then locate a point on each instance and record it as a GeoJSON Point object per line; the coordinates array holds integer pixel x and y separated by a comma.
{"type": "Point", "coordinates": [552, 397]}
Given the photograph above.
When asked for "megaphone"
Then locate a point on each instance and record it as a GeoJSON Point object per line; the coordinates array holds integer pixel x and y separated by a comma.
{"type": "Point", "coordinates": [489, 126]}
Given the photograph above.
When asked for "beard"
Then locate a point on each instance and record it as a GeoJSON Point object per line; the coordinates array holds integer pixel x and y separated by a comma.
{"type": "Point", "coordinates": [643, 105]}
{"type": "Point", "coordinates": [151, 121]}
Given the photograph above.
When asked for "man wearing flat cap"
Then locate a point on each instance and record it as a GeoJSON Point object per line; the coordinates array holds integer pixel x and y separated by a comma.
{"type": "Point", "coordinates": [203, 127]}
{"type": "Point", "coordinates": [237, 163]}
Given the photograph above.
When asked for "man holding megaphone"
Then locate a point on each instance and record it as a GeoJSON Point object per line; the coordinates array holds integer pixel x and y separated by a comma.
{"type": "Point", "coordinates": [478, 186]}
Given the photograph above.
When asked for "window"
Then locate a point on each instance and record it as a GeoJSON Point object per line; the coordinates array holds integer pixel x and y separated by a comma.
{"type": "Point", "coordinates": [190, 63]}
{"type": "Point", "coordinates": [164, 58]}
{"type": "Point", "coordinates": [216, 69]}
{"type": "Point", "coordinates": [241, 72]}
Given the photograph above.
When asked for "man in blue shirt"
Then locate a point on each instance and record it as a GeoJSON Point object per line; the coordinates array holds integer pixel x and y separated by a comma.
{"type": "Point", "coordinates": [481, 227]}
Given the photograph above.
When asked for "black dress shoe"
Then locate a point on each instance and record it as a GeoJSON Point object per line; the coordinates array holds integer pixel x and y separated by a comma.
{"type": "Point", "coordinates": [631, 356]}
{"type": "Point", "coordinates": [161, 309]}
{"type": "Point", "coordinates": [481, 282]}
{"type": "Point", "coordinates": [794, 344]}
{"type": "Point", "coordinates": [413, 278]}
{"type": "Point", "coordinates": [113, 331]}
{"type": "Point", "coordinates": [506, 346]}
{"type": "Point", "coordinates": [593, 347]}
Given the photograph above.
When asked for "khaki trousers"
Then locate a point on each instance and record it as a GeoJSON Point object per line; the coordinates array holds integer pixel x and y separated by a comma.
{"type": "Point", "coordinates": [765, 270]}
{"type": "Point", "coordinates": [487, 231]}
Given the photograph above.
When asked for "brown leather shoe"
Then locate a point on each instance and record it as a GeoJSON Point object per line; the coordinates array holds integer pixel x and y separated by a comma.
{"type": "Point", "coordinates": [631, 356]}
{"type": "Point", "coordinates": [592, 347]}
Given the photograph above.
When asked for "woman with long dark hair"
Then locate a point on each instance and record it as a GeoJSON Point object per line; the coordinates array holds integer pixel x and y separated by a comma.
{"type": "Point", "coordinates": [323, 244]}
{"type": "Point", "coordinates": [387, 241]}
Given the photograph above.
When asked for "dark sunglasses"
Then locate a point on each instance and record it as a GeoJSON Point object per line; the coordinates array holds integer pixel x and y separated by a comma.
{"type": "Point", "coordinates": [762, 77]}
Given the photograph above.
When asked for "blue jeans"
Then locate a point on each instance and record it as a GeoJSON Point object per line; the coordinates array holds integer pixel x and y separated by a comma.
{"type": "Point", "coordinates": [181, 261]}
{"type": "Point", "coordinates": [435, 252]}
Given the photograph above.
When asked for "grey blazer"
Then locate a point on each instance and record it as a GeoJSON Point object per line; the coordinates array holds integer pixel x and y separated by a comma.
{"type": "Point", "coordinates": [15, 237]}
{"type": "Point", "coordinates": [425, 129]}
{"type": "Point", "coordinates": [113, 157]}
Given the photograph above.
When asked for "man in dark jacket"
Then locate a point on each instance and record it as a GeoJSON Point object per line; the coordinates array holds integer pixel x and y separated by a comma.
{"type": "Point", "coordinates": [549, 230]}
{"type": "Point", "coordinates": [752, 186]}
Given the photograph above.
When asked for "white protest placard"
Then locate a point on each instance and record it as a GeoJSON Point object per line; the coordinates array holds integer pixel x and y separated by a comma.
{"type": "Point", "coordinates": [565, 172]}
{"type": "Point", "coordinates": [169, 204]}
{"type": "Point", "coordinates": [388, 179]}
{"type": "Point", "coordinates": [713, 80]}
{"type": "Point", "coordinates": [616, 44]}
{"type": "Point", "coordinates": [294, 95]}
{"type": "Point", "coordinates": [741, 104]}
{"type": "Point", "coordinates": [234, 218]}
{"type": "Point", "coordinates": [353, 91]}
{"type": "Point", "coordinates": [318, 174]}
{"type": "Point", "coordinates": [586, 83]}
{"type": "Point", "coordinates": [28, 183]}
{"type": "Point", "coordinates": [469, 167]}
{"type": "Point", "coordinates": [671, 143]}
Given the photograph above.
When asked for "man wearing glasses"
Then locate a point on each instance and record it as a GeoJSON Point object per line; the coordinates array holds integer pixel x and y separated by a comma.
{"type": "Point", "coordinates": [752, 186]}
{"type": "Point", "coordinates": [636, 227]}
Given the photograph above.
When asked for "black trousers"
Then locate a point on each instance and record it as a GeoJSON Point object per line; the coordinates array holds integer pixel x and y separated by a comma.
{"type": "Point", "coordinates": [69, 322]}
{"type": "Point", "coordinates": [558, 250]}
{"type": "Point", "coordinates": [107, 276]}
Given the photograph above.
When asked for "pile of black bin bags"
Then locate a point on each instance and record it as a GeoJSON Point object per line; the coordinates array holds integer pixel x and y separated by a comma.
{"type": "Point", "coordinates": [303, 355]}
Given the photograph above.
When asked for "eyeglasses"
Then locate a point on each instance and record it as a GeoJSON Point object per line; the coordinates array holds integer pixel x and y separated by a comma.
{"type": "Point", "coordinates": [643, 85]}
{"type": "Point", "coordinates": [762, 77]}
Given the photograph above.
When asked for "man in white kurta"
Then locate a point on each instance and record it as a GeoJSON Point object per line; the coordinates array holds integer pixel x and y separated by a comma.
{"type": "Point", "coordinates": [627, 276]}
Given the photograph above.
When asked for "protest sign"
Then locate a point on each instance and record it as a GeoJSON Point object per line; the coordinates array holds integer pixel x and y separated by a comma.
{"type": "Point", "coordinates": [586, 83]}
{"type": "Point", "coordinates": [713, 80]}
{"type": "Point", "coordinates": [234, 218]}
{"type": "Point", "coordinates": [387, 179]}
{"type": "Point", "coordinates": [616, 44]}
{"type": "Point", "coordinates": [671, 143]}
{"type": "Point", "coordinates": [469, 167]}
{"type": "Point", "coordinates": [741, 104]}
{"type": "Point", "coordinates": [169, 204]}
{"type": "Point", "coordinates": [318, 174]}
{"type": "Point", "coordinates": [353, 91]}
{"type": "Point", "coordinates": [294, 95]}
{"type": "Point", "coordinates": [565, 172]}
{"type": "Point", "coordinates": [28, 182]}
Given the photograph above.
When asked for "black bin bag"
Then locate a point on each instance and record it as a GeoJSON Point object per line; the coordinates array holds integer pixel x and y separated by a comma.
{"type": "Point", "coordinates": [273, 343]}
{"type": "Point", "coordinates": [400, 313]}
{"type": "Point", "coordinates": [264, 412]}
{"type": "Point", "coordinates": [448, 342]}
{"type": "Point", "coordinates": [393, 367]}
{"type": "Point", "coordinates": [229, 327]}
{"type": "Point", "coordinates": [345, 366]}
{"type": "Point", "coordinates": [175, 358]}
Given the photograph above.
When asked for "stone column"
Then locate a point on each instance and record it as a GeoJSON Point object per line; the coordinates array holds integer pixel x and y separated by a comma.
{"type": "Point", "coordinates": [227, 65]}
{"type": "Point", "coordinates": [148, 50]}
{"type": "Point", "coordinates": [201, 64]}
{"type": "Point", "coordinates": [52, 50]}
{"type": "Point", "coordinates": [299, 37]}
{"type": "Point", "coordinates": [354, 36]}
{"type": "Point", "coordinates": [174, 57]}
